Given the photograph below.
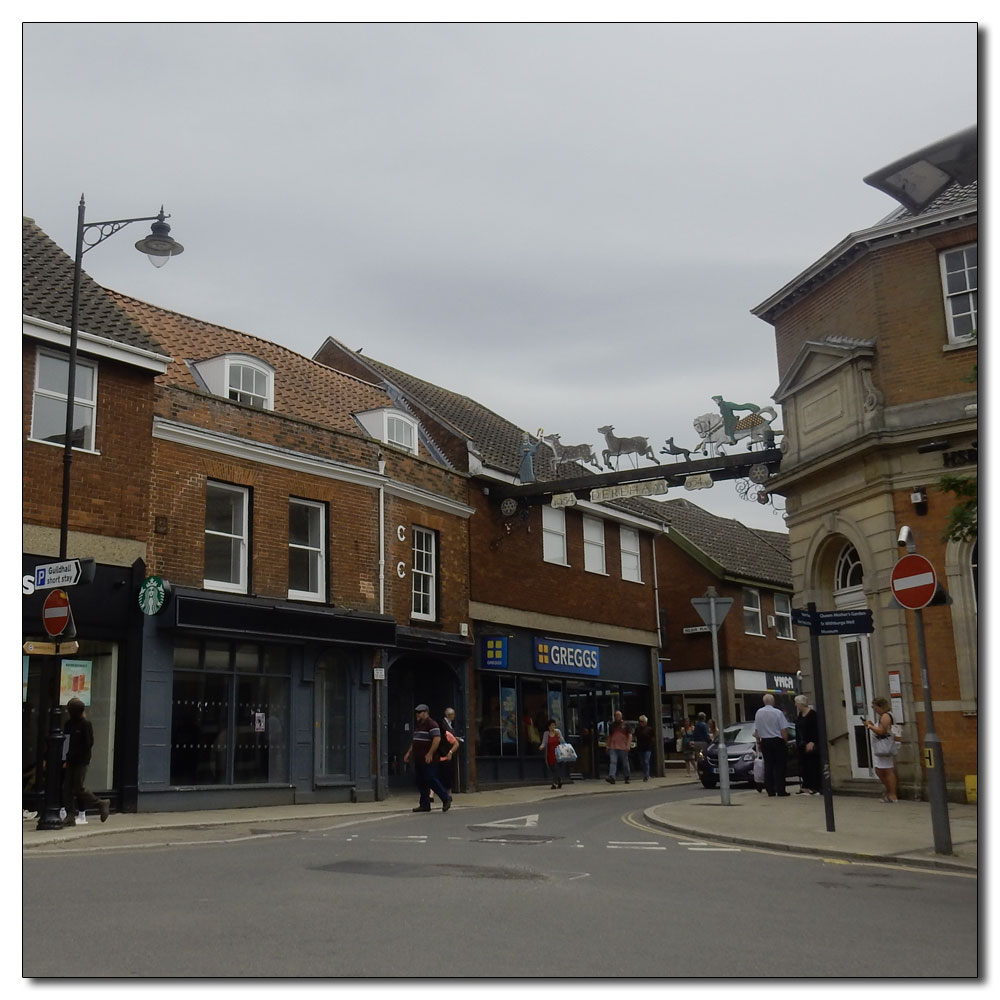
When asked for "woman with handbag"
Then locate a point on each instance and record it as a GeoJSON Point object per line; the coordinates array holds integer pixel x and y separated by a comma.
{"type": "Point", "coordinates": [884, 748]}
{"type": "Point", "coordinates": [551, 738]}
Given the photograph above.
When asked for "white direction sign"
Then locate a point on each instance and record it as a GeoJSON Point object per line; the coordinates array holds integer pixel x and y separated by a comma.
{"type": "Point", "coordinates": [67, 573]}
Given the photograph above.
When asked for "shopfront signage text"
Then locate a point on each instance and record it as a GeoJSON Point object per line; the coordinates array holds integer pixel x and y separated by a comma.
{"type": "Point", "coordinates": [652, 488]}
{"type": "Point", "coordinates": [555, 655]}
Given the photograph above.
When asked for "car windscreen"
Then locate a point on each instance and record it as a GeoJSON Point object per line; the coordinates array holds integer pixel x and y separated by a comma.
{"type": "Point", "coordinates": [742, 733]}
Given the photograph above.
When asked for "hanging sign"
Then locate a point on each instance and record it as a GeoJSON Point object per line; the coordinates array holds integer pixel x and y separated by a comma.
{"type": "Point", "coordinates": [154, 593]}
{"type": "Point", "coordinates": [650, 488]}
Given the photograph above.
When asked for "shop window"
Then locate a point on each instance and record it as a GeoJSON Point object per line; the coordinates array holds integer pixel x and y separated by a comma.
{"type": "Point", "coordinates": [554, 535]}
{"type": "Point", "coordinates": [306, 550]}
{"type": "Point", "coordinates": [593, 545]}
{"type": "Point", "coordinates": [751, 611]}
{"type": "Point", "coordinates": [48, 410]}
{"type": "Point", "coordinates": [226, 531]}
{"type": "Point", "coordinates": [631, 568]}
{"type": "Point", "coordinates": [230, 715]}
{"type": "Point", "coordinates": [332, 723]}
{"type": "Point", "coordinates": [783, 616]}
{"type": "Point", "coordinates": [960, 284]}
{"type": "Point", "coordinates": [498, 720]}
{"type": "Point", "coordinates": [424, 574]}
{"type": "Point", "coordinates": [534, 713]}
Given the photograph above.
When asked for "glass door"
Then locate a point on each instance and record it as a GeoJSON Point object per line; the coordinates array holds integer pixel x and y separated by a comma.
{"type": "Point", "coordinates": [581, 728]}
{"type": "Point", "coordinates": [855, 659]}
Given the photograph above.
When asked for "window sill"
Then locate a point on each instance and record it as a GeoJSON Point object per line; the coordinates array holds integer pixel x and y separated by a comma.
{"type": "Point", "coordinates": [596, 572]}
{"type": "Point", "coordinates": [552, 562]}
{"type": "Point", "coordinates": [62, 447]}
{"type": "Point", "coordinates": [960, 345]}
{"type": "Point", "coordinates": [300, 595]}
{"type": "Point", "coordinates": [225, 588]}
{"type": "Point", "coordinates": [760, 634]}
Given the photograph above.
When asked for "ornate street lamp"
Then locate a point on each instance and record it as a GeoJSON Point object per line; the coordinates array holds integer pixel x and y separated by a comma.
{"type": "Point", "coordinates": [159, 246]}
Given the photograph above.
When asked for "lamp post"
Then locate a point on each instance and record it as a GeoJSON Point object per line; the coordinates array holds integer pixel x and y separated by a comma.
{"type": "Point", "coordinates": [159, 246]}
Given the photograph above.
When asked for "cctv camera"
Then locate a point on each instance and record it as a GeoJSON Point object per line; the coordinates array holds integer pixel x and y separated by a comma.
{"type": "Point", "coordinates": [905, 535]}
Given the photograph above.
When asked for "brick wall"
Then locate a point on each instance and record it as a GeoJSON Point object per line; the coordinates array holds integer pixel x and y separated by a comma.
{"type": "Point", "coordinates": [109, 490]}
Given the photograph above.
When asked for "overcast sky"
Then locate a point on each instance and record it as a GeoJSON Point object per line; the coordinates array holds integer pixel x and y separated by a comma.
{"type": "Point", "coordinates": [567, 222]}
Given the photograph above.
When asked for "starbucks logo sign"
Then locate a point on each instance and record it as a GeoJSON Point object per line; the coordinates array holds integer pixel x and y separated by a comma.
{"type": "Point", "coordinates": [153, 595]}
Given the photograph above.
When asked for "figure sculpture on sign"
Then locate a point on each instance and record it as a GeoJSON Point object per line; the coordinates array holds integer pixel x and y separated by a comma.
{"type": "Point", "coordinates": [728, 411]}
{"type": "Point", "coordinates": [638, 446]}
{"type": "Point", "coordinates": [570, 452]}
{"type": "Point", "coordinates": [755, 426]}
{"type": "Point", "coordinates": [526, 473]}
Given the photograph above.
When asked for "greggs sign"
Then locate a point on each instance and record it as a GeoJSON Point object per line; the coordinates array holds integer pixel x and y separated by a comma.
{"type": "Point", "coordinates": [554, 655]}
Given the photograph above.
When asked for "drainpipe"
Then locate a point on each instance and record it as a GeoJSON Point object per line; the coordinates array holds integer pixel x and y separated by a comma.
{"type": "Point", "coordinates": [659, 758]}
{"type": "Point", "coordinates": [378, 686]}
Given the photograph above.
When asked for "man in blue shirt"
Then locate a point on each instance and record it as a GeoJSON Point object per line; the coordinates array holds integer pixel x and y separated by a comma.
{"type": "Point", "coordinates": [771, 733]}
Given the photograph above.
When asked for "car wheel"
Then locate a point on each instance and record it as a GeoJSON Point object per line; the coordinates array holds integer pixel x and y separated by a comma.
{"type": "Point", "coordinates": [709, 782]}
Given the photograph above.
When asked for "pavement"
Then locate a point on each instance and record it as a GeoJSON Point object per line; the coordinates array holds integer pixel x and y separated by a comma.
{"type": "Point", "coordinates": [864, 829]}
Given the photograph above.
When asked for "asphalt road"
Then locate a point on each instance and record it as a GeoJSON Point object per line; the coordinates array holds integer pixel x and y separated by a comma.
{"type": "Point", "coordinates": [569, 888]}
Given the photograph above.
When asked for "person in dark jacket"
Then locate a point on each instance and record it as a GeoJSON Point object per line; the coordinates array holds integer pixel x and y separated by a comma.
{"type": "Point", "coordinates": [79, 737]}
{"type": "Point", "coordinates": [644, 737]}
{"type": "Point", "coordinates": [807, 740]}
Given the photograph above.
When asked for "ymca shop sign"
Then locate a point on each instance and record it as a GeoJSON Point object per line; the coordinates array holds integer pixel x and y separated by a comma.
{"type": "Point", "coordinates": [557, 656]}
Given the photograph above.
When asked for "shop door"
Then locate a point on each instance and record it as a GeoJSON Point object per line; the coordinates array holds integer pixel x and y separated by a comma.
{"type": "Point", "coordinates": [581, 728]}
{"type": "Point", "coordinates": [855, 659]}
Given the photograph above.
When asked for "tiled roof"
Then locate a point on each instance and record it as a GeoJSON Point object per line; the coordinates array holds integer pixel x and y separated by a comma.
{"type": "Point", "coordinates": [957, 194]}
{"type": "Point", "coordinates": [497, 440]}
{"type": "Point", "coordinates": [47, 293]}
{"type": "Point", "coordinates": [303, 388]}
{"type": "Point", "coordinates": [742, 552]}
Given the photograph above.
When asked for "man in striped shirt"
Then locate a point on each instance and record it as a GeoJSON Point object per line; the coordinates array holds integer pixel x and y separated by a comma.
{"type": "Point", "coordinates": [423, 747]}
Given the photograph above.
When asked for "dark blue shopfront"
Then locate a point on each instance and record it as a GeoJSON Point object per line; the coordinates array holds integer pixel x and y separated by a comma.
{"type": "Point", "coordinates": [524, 678]}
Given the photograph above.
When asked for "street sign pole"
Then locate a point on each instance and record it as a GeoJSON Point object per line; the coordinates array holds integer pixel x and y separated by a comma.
{"type": "Point", "coordinates": [933, 757]}
{"type": "Point", "coordinates": [48, 815]}
{"type": "Point", "coordinates": [824, 749]}
{"type": "Point", "coordinates": [713, 610]}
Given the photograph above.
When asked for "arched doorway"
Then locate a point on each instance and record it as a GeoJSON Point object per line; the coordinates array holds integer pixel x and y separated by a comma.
{"type": "Point", "coordinates": [416, 678]}
{"type": "Point", "coordinates": [855, 660]}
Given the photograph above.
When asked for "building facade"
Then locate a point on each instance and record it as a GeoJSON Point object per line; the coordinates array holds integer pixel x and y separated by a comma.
{"type": "Point", "coordinates": [877, 354]}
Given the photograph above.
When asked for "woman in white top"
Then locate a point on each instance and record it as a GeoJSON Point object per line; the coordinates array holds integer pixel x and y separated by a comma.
{"type": "Point", "coordinates": [884, 764]}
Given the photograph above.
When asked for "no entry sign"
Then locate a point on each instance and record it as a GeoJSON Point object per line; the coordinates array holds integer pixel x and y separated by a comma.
{"type": "Point", "coordinates": [914, 582]}
{"type": "Point", "coordinates": [56, 614]}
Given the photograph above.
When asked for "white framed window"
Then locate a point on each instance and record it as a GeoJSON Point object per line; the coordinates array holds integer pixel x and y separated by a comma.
{"type": "Point", "coordinates": [306, 550]}
{"type": "Point", "coordinates": [401, 432]}
{"type": "Point", "coordinates": [751, 611]}
{"type": "Point", "coordinates": [783, 616]}
{"type": "Point", "coordinates": [593, 545]}
{"type": "Point", "coordinates": [424, 574]}
{"type": "Point", "coordinates": [960, 284]}
{"type": "Point", "coordinates": [631, 567]}
{"type": "Point", "coordinates": [48, 408]}
{"type": "Point", "coordinates": [227, 510]}
{"type": "Point", "coordinates": [249, 384]}
{"type": "Point", "coordinates": [554, 535]}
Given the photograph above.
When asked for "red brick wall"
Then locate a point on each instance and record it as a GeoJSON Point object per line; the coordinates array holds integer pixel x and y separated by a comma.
{"type": "Point", "coordinates": [178, 500]}
{"type": "Point", "coordinates": [507, 569]}
{"type": "Point", "coordinates": [110, 490]}
{"type": "Point", "coordinates": [683, 577]}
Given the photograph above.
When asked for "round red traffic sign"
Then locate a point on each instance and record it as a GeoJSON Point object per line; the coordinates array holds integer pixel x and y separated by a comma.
{"type": "Point", "coordinates": [914, 582]}
{"type": "Point", "coordinates": [55, 613]}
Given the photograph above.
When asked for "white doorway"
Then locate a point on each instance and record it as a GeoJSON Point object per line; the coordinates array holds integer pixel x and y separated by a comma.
{"type": "Point", "coordinates": [855, 661]}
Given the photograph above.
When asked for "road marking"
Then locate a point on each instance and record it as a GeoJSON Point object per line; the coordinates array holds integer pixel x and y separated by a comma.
{"type": "Point", "coordinates": [691, 843]}
{"type": "Point", "coordinates": [736, 849]}
{"type": "Point", "coordinates": [634, 847]}
{"type": "Point", "coordinates": [516, 821]}
{"type": "Point", "coordinates": [405, 840]}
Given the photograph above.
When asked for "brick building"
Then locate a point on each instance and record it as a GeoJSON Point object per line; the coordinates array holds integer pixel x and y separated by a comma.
{"type": "Point", "coordinates": [603, 581]}
{"type": "Point", "coordinates": [108, 511]}
{"type": "Point", "coordinates": [876, 347]}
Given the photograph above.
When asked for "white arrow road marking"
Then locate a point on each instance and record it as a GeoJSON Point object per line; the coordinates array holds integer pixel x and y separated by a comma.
{"type": "Point", "coordinates": [514, 822]}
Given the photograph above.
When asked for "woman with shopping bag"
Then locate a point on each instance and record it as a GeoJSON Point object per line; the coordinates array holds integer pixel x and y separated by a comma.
{"type": "Point", "coordinates": [555, 763]}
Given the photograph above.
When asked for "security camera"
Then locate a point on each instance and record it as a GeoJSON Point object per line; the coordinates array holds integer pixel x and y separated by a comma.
{"type": "Point", "coordinates": [905, 536]}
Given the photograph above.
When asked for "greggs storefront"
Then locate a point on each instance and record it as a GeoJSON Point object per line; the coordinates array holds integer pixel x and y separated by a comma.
{"type": "Point", "coordinates": [525, 677]}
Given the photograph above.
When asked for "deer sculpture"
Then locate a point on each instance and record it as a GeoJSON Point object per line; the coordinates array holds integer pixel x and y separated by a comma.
{"type": "Point", "coordinates": [570, 452]}
{"type": "Point", "coordinates": [617, 446]}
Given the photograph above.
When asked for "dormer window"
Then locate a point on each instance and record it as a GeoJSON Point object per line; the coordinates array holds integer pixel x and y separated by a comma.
{"type": "Point", "coordinates": [392, 427]}
{"type": "Point", "coordinates": [239, 377]}
{"type": "Point", "coordinates": [249, 385]}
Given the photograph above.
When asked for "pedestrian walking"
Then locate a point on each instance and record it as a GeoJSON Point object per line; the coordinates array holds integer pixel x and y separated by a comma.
{"type": "Point", "coordinates": [687, 733]}
{"type": "Point", "coordinates": [619, 743]}
{"type": "Point", "coordinates": [770, 730]}
{"type": "Point", "coordinates": [423, 749]}
{"type": "Point", "coordinates": [446, 751]}
{"type": "Point", "coordinates": [713, 731]}
{"type": "Point", "coordinates": [551, 738]}
{"type": "Point", "coordinates": [644, 737]}
{"type": "Point", "coordinates": [807, 741]}
{"type": "Point", "coordinates": [700, 735]}
{"type": "Point", "coordinates": [79, 743]}
{"type": "Point", "coordinates": [883, 759]}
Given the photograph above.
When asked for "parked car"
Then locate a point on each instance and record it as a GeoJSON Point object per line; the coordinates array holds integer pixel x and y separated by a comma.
{"type": "Point", "coordinates": [741, 749]}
